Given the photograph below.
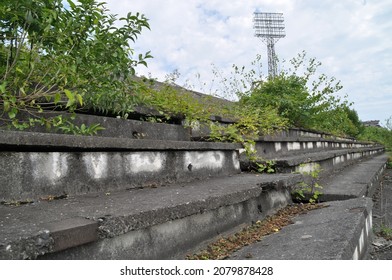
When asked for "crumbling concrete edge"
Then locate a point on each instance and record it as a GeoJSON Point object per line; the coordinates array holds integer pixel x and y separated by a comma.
{"type": "Point", "coordinates": [61, 239]}
{"type": "Point", "coordinates": [11, 140]}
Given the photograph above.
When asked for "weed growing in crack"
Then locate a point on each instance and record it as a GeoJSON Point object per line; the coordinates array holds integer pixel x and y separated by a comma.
{"type": "Point", "coordinates": [385, 232]}
{"type": "Point", "coordinates": [309, 190]}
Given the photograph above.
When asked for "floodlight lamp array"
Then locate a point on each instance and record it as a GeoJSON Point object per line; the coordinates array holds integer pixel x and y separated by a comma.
{"type": "Point", "coordinates": [269, 25]}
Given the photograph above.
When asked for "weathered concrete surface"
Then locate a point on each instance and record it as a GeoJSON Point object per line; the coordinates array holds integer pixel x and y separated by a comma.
{"type": "Point", "coordinates": [72, 232]}
{"type": "Point", "coordinates": [119, 128]}
{"type": "Point", "coordinates": [34, 141]}
{"type": "Point", "coordinates": [30, 175]}
{"type": "Point", "coordinates": [203, 131]}
{"type": "Point", "coordinates": [147, 223]}
{"type": "Point", "coordinates": [341, 231]}
{"type": "Point", "coordinates": [354, 181]}
{"type": "Point", "coordinates": [37, 164]}
{"type": "Point", "coordinates": [328, 160]}
{"type": "Point", "coordinates": [325, 158]}
{"type": "Point", "coordinates": [274, 146]}
{"type": "Point", "coordinates": [305, 133]}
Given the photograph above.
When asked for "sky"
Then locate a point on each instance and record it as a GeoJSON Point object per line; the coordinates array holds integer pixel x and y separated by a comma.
{"type": "Point", "coordinates": [351, 38]}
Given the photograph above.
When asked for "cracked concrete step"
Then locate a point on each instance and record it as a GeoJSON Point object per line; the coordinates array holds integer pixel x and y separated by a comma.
{"type": "Point", "coordinates": [154, 223]}
{"type": "Point", "coordinates": [114, 127]}
{"type": "Point", "coordinates": [202, 132]}
{"type": "Point", "coordinates": [328, 160]}
{"type": "Point", "coordinates": [341, 231]}
{"type": "Point", "coordinates": [272, 146]}
{"type": "Point", "coordinates": [361, 179]}
{"type": "Point", "coordinates": [33, 165]}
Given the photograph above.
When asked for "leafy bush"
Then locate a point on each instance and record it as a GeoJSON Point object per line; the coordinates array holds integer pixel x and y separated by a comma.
{"type": "Point", "coordinates": [377, 134]}
{"type": "Point", "coordinates": [59, 58]}
{"type": "Point", "coordinates": [286, 93]}
{"type": "Point", "coordinates": [301, 96]}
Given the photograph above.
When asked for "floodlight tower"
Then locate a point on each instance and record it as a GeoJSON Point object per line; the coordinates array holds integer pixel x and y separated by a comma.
{"type": "Point", "coordinates": [270, 28]}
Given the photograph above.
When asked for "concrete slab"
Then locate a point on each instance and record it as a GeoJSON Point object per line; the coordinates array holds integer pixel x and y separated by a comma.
{"type": "Point", "coordinates": [270, 146]}
{"type": "Point", "coordinates": [354, 181]}
{"type": "Point", "coordinates": [116, 127]}
{"type": "Point", "coordinates": [297, 159]}
{"type": "Point", "coordinates": [32, 175]}
{"type": "Point", "coordinates": [24, 230]}
{"type": "Point", "coordinates": [72, 232]}
{"type": "Point", "coordinates": [338, 232]}
{"type": "Point", "coordinates": [35, 141]}
{"type": "Point", "coordinates": [329, 160]}
{"type": "Point", "coordinates": [33, 165]}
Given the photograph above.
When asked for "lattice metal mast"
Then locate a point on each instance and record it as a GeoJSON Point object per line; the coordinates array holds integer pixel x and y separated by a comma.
{"type": "Point", "coordinates": [270, 28]}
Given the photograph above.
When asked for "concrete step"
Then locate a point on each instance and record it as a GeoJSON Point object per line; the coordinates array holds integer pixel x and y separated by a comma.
{"type": "Point", "coordinates": [341, 231]}
{"type": "Point", "coordinates": [301, 132]}
{"type": "Point", "coordinates": [116, 127]}
{"type": "Point", "coordinates": [33, 165]}
{"type": "Point", "coordinates": [78, 197]}
{"type": "Point", "coordinates": [158, 223]}
{"type": "Point", "coordinates": [354, 181]}
{"type": "Point", "coordinates": [202, 131]}
{"type": "Point", "coordinates": [328, 160]}
{"type": "Point", "coordinates": [272, 146]}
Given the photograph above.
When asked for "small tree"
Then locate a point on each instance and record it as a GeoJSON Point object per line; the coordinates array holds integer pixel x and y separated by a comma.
{"type": "Point", "coordinates": [53, 57]}
{"type": "Point", "coordinates": [305, 98]}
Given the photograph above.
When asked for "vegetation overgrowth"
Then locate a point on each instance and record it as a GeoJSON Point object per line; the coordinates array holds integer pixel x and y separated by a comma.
{"type": "Point", "coordinates": [65, 56]}
{"type": "Point", "coordinates": [382, 135]}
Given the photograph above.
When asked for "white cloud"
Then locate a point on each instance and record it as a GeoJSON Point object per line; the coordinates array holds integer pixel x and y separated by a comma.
{"type": "Point", "coordinates": [351, 38]}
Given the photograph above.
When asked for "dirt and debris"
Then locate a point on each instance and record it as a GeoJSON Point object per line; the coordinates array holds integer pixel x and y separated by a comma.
{"type": "Point", "coordinates": [224, 247]}
{"type": "Point", "coordinates": [16, 203]}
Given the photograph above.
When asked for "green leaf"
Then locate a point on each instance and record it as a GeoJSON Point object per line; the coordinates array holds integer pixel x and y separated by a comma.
{"type": "Point", "coordinates": [3, 87]}
{"type": "Point", "coordinates": [70, 96]}
{"type": "Point", "coordinates": [80, 99]}
{"type": "Point", "coordinates": [19, 70]}
{"type": "Point", "coordinates": [57, 98]}
{"type": "Point", "coordinates": [12, 113]}
{"type": "Point", "coordinates": [6, 105]}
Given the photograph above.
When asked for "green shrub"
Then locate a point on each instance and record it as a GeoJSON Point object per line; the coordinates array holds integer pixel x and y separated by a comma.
{"type": "Point", "coordinates": [377, 134]}
{"type": "Point", "coordinates": [57, 58]}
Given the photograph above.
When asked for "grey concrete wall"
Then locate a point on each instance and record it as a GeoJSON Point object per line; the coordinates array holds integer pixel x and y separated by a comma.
{"type": "Point", "coordinates": [29, 175]}
{"type": "Point", "coordinates": [342, 231]}
{"type": "Point", "coordinates": [285, 146]}
{"type": "Point", "coordinates": [174, 239]}
{"type": "Point", "coordinates": [301, 132]}
{"type": "Point", "coordinates": [38, 164]}
{"type": "Point", "coordinates": [328, 161]}
{"type": "Point", "coordinates": [121, 128]}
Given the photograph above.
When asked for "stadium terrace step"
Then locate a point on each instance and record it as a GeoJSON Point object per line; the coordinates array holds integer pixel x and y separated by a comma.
{"type": "Point", "coordinates": [117, 127]}
{"type": "Point", "coordinates": [361, 179]}
{"type": "Point", "coordinates": [202, 131]}
{"type": "Point", "coordinates": [33, 165]}
{"type": "Point", "coordinates": [81, 197]}
{"type": "Point", "coordinates": [341, 231]}
{"type": "Point", "coordinates": [304, 133]}
{"type": "Point", "coordinates": [327, 159]}
{"type": "Point", "coordinates": [277, 146]}
{"type": "Point", "coordinates": [154, 223]}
